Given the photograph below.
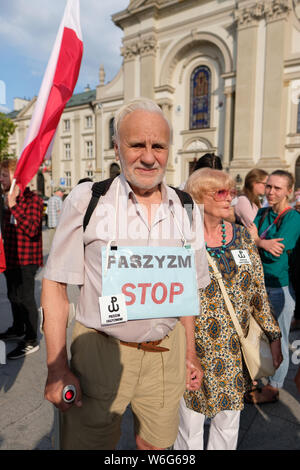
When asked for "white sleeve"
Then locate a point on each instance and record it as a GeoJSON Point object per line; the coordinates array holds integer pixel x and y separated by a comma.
{"type": "Point", "coordinates": [66, 259]}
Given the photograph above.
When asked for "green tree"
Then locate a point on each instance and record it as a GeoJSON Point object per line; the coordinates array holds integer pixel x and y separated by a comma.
{"type": "Point", "coordinates": [7, 128]}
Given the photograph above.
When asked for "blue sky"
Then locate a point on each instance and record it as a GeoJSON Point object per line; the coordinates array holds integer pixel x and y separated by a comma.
{"type": "Point", "coordinates": [28, 30]}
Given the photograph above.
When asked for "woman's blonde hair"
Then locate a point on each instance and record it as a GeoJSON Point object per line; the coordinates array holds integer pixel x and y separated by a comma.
{"type": "Point", "coordinates": [207, 179]}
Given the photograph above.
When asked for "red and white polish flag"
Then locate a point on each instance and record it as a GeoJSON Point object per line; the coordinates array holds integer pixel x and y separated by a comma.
{"type": "Point", "coordinates": [57, 88]}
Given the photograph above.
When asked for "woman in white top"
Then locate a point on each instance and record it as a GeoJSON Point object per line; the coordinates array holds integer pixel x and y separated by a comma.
{"type": "Point", "coordinates": [248, 202]}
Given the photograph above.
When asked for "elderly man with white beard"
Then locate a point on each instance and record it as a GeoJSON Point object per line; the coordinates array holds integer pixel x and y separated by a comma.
{"type": "Point", "coordinates": [138, 346]}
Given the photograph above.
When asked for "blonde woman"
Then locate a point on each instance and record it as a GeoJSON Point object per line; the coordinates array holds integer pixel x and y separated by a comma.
{"type": "Point", "coordinates": [225, 380]}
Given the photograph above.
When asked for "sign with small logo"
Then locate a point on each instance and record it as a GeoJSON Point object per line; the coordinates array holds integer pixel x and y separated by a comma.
{"type": "Point", "coordinates": [241, 257]}
{"type": "Point", "coordinates": [113, 309]}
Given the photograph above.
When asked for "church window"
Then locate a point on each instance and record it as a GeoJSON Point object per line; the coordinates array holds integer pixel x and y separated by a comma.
{"type": "Point", "coordinates": [200, 98]}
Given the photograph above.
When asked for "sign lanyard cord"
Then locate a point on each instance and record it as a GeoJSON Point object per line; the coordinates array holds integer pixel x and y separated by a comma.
{"type": "Point", "coordinates": [179, 228]}
{"type": "Point", "coordinates": [111, 240]}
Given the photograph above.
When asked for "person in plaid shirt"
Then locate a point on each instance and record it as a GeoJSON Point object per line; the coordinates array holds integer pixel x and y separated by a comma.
{"type": "Point", "coordinates": [22, 236]}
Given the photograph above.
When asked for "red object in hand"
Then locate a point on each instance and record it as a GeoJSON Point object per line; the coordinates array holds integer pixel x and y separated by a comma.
{"type": "Point", "coordinates": [69, 393]}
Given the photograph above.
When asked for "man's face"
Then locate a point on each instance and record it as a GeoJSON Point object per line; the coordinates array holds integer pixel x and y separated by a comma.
{"type": "Point", "coordinates": [143, 149]}
{"type": "Point", "coordinates": [6, 178]}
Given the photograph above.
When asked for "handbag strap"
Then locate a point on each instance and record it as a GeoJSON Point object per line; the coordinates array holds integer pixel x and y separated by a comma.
{"type": "Point", "coordinates": [229, 305]}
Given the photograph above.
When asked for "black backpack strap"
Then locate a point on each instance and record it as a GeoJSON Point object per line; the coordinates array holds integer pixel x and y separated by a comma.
{"type": "Point", "coordinates": [186, 202]}
{"type": "Point", "coordinates": [98, 189]}
{"type": "Point", "coordinates": [101, 187]}
{"type": "Point", "coordinates": [263, 216]}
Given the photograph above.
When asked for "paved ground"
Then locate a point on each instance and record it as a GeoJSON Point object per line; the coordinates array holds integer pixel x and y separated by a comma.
{"type": "Point", "coordinates": [26, 419]}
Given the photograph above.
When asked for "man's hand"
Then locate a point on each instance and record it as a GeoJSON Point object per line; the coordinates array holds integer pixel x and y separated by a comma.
{"type": "Point", "coordinates": [56, 382]}
{"type": "Point", "coordinates": [55, 303]}
{"type": "Point", "coordinates": [194, 373]}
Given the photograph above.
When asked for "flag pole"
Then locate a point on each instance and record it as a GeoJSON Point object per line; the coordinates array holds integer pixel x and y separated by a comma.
{"type": "Point", "coordinates": [12, 186]}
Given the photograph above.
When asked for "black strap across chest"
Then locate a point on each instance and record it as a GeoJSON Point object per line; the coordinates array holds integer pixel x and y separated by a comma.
{"type": "Point", "coordinates": [101, 187]}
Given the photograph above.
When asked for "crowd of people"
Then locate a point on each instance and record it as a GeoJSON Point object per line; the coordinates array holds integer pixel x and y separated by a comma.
{"type": "Point", "coordinates": [174, 371]}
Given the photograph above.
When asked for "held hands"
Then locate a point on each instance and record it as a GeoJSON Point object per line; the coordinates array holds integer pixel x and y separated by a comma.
{"type": "Point", "coordinates": [194, 373]}
{"type": "Point", "coordinates": [56, 381]}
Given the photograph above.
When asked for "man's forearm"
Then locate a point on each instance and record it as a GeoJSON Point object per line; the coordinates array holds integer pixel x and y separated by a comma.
{"type": "Point", "coordinates": [56, 310]}
{"type": "Point", "coordinates": [189, 325]}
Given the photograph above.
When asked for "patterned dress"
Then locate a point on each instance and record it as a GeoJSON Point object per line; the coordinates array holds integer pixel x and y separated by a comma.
{"type": "Point", "coordinates": [225, 377]}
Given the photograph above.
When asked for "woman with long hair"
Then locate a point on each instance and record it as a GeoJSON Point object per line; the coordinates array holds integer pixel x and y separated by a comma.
{"type": "Point", "coordinates": [276, 230]}
{"type": "Point", "coordinates": [248, 202]}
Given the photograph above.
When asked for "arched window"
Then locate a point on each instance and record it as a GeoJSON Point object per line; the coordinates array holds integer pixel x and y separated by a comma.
{"type": "Point", "coordinates": [200, 98]}
{"type": "Point", "coordinates": [111, 133]}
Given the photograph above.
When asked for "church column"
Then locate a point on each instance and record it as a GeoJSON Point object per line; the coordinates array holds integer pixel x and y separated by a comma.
{"type": "Point", "coordinates": [273, 126]}
{"type": "Point", "coordinates": [148, 47]}
{"type": "Point", "coordinates": [247, 32]}
{"type": "Point", "coordinates": [166, 105]}
{"type": "Point", "coordinates": [130, 53]}
{"type": "Point", "coordinates": [229, 117]}
{"type": "Point", "coordinates": [76, 149]}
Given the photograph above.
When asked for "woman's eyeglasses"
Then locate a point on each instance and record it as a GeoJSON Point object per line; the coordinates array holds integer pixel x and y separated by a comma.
{"type": "Point", "coordinates": [222, 194]}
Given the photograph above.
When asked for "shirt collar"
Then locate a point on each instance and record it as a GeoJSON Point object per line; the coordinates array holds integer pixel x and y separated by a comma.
{"type": "Point", "coordinates": [166, 192]}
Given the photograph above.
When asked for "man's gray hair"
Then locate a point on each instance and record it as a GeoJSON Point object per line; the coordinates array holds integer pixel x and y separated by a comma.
{"type": "Point", "coordinates": [145, 104]}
